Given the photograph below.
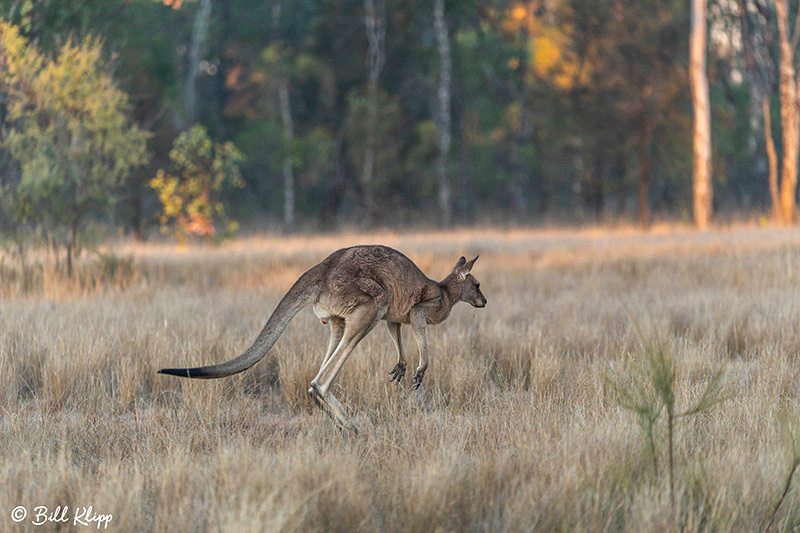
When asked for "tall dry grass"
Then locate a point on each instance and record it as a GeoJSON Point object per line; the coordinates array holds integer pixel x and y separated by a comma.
{"type": "Point", "coordinates": [514, 429]}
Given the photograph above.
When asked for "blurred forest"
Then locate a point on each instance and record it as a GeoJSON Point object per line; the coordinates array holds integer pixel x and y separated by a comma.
{"type": "Point", "coordinates": [314, 114]}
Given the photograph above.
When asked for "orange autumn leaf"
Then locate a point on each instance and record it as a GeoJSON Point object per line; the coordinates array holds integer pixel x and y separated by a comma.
{"type": "Point", "coordinates": [174, 4]}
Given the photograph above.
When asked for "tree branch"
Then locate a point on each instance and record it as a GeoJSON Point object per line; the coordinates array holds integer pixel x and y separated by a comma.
{"type": "Point", "coordinates": [796, 31]}
{"type": "Point", "coordinates": [762, 9]}
{"type": "Point", "coordinates": [13, 10]}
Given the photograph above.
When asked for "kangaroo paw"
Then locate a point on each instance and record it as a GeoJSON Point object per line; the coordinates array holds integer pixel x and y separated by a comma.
{"type": "Point", "coordinates": [331, 406]}
{"type": "Point", "coordinates": [417, 379]}
{"type": "Point", "coordinates": [316, 396]}
{"type": "Point", "coordinates": [397, 372]}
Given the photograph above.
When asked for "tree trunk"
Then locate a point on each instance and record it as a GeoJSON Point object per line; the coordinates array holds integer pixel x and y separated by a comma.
{"type": "Point", "coordinates": [772, 158]}
{"type": "Point", "coordinates": [69, 260]}
{"type": "Point", "coordinates": [463, 177]}
{"type": "Point", "coordinates": [375, 24]}
{"type": "Point", "coordinates": [759, 105]}
{"type": "Point", "coordinates": [644, 174]}
{"type": "Point", "coordinates": [196, 50]}
{"type": "Point", "coordinates": [137, 218]}
{"type": "Point", "coordinates": [288, 173]}
{"type": "Point", "coordinates": [288, 125]}
{"type": "Point", "coordinates": [701, 171]}
{"type": "Point", "coordinates": [71, 245]}
{"type": "Point", "coordinates": [519, 185]}
{"type": "Point", "coordinates": [751, 74]}
{"type": "Point", "coordinates": [444, 113]}
{"type": "Point", "coordinates": [789, 116]}
{"type": "Point", "coordinates": [595, 185]}
{"type": "Point", "coordinates": [516, 186]}
{"type": "Point", "coordinates": [335, 187]}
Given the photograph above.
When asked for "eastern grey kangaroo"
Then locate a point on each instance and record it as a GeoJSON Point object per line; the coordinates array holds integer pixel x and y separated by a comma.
{"type": "Point", "coordinates": [351, 291]}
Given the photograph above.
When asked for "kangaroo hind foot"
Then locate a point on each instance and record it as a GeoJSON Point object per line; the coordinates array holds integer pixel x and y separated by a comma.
{"type": "Point", "coordinates": [331, 406]}
{"type": "Point", "coordinates": [418, 378]}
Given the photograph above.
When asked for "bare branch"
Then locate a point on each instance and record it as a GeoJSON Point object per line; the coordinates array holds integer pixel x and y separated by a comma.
{"type": "Point", "coordinates": [796, 31]}
{"type": "Point", "coordinates": [762, 9]}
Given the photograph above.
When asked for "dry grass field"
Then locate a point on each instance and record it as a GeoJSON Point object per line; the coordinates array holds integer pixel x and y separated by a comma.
{"type": "Point", "coordinates": [517, 426]}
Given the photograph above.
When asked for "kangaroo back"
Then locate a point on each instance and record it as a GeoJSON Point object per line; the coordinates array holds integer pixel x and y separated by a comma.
{"type": "Point", "coordinates": [304, 291]}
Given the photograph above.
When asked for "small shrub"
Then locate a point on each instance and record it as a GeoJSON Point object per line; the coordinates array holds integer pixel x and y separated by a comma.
{"type": "Point", "coordinates": [651, 394]}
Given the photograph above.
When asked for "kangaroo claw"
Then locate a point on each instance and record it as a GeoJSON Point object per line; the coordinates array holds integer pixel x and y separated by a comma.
{"type": "Point", "coordinates": [417, 380]}
{"type": "Point", "coordinates": [397, 372]}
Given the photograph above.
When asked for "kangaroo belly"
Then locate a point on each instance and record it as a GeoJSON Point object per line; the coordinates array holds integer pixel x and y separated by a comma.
{"type": "Point", "coordinates": [397, 313]}
{"type": "Point", "coordinates": [400, 319]}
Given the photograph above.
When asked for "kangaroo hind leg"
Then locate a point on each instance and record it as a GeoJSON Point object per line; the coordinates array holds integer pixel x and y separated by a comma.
{"type": "Point", "coordinates": [336, 325]}
{"type": "Point", "coordinates": [356, 326]}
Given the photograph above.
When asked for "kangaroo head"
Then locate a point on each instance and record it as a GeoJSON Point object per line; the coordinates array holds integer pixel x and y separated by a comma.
{"type": "Point", "coordinates": [470, 287]}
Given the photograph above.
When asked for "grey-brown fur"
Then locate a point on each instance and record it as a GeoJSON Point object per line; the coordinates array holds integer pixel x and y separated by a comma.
{"type": "Point", "coordinates": [351, 291]}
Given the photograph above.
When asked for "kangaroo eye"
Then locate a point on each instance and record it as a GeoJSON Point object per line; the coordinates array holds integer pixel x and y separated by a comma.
{"type": "Point", "coordinates": [477, 285]}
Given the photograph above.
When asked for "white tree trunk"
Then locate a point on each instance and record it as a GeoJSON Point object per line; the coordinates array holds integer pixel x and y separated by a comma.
{"type": "Point", "coordinates": [284, 104]}
{"type": "Point", "coordinates": [759, 110]}
{"type": "Point", "coordinates": [375, 25]}
{"type": "Point", "coordinates": [288, 172]}
{"type": "Point", "coordinates": [196, 51]}
{"type": "Point", "coordinates": [702, 117]}
{"type": "Point", "coordinates": [443, 115]}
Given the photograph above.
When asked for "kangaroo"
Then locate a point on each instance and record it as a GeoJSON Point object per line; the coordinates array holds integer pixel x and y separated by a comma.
{"type": "Point", "coordinates": [351, 291]}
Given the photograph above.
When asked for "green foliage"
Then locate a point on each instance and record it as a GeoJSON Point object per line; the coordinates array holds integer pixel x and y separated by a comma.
{"type": "Point", "coordinates": [67, 127]}
{"type": "Point", "coordinates": [189, 198]}
{"type": "Point", "coordinates": [651, 392]}
{"type": "Point", "coordinates": [388, 148]}
{"type": "Point", "coordinates": [790, 432]}
{"type": "Point", "coordinates": [641, 398]}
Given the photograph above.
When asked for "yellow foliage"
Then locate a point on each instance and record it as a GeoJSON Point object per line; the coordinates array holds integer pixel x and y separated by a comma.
{"type": "Point", "coordinates": [187, 204]}
{"type": "Point", "coordinates": [553, 59]}
{"type": "Point", "coordinates": [549, 45]}
{"type": "Point", "coordinates": [519, 18]}
{"type": "Point", "coordinates": [67, 128]}
{"type": "Point", "coordinates": [546, 54]}
{"type": "Point", "coordinates": [188, 199]}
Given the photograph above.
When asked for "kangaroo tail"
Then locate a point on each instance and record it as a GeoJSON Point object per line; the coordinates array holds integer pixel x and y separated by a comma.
{"type": "Point", "coordinates": [303, 292]}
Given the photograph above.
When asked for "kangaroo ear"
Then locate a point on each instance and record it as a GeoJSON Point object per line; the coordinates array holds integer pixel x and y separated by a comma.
{"type": "Point", "coordinates": [470, 264]}
{"type": "Point", "coordinates": [463, 267]}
